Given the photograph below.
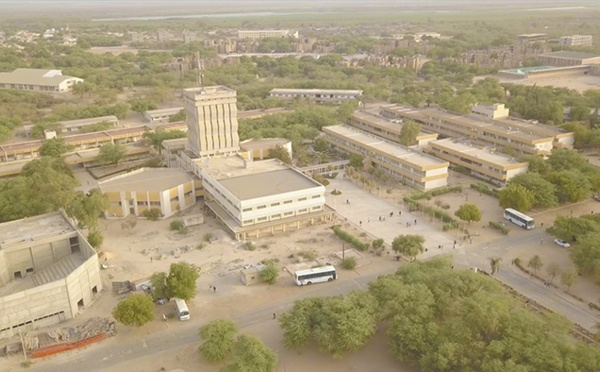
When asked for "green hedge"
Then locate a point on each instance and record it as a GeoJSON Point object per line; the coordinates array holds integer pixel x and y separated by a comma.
{"type": "Point", "coordinates": [349, 238]}
{"type": "Point", "coordinates": [485, 189]}
{"type": "Point", "coordinates": [439, 191]}
{"type": "Point", "coordinates": [449, 222]}
{"type": "Point", "coordinates": [499, 225]}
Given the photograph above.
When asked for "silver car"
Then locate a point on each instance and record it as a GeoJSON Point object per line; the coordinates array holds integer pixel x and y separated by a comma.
{"type": "Point", "coordinates": [562, 243]}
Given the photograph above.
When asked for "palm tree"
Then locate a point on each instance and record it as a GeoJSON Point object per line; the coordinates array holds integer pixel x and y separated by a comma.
{"type": "Point", "coordinates": [495, 264]}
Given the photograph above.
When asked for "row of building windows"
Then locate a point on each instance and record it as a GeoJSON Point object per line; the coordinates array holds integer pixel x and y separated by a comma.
{"type": "Point", "coordinates": [276, 204]}
{"type": "Point", "coordinates": [280, 215]}
{"type": "Point", "coordinates": [32, 321]}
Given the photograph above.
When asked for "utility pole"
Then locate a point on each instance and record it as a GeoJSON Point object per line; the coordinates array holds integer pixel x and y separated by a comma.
{"type": "Point", "coordinates": [343, 251]}
{"type": "Point", "coordinates": [23, 346]}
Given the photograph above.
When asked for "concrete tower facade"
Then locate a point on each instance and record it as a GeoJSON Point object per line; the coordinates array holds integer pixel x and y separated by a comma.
{"type": "Point", "coordinates": [212, 120]}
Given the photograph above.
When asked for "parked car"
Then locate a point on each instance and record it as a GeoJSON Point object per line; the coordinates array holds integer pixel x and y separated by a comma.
{"type": "Point", "coordinates": [562, 243]}
{"type": "Point", "coordinates": [597, 197]}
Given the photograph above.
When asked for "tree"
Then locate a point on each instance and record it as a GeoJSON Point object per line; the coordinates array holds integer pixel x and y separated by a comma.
{"type": "Point", "coordinates": [157, 137]}
{"type": "Point", "coordinates": [270, 272]}
{"type": "Point", "coordinates": [338, 324]}
{"type": "Point", "coordinates": [571, 185]}
{"type": "Point", "coordinates": [543, 191]}
{"type": "Point", "coordinates": [280, 153]}
{"type": "Point", "coordinates": [408, 245]}
{"type": "Point", "coordinates": [408, 134]}
{"type": "Point", "coordinates": [568, 278]}
{"type": "Point", "coordinates": [495, 265]}
{"type": "Point", "coordinates": [182, 280]}
{"type": "Point", "coordinates": [135, 310]}
{"type": "Point", "coordinates": [517, 197]}
{"type": "Point", "coordinates": [82, 88]}
{"type": "Point", "coordinates": [141, 105]}
{"type": "Point", "coordinates": [250, 354]}
{"type": "Point", "coordinates": [572, 229]}
{"type": "Point", "coordinates": [95, 239]}
{"type": "Point", "coordinates": [537, 164]}
{"type": "Point", "coordinates": [111, 154]}
{"type": "Point", "coordinates": [218, 339]}
{"type": "Point", "coordinates": [86, 208]}
{"type": "Point", "coordinates": [535, 263]}
{"type": "Point", "coordinates": [586, 255]}
{"type": "Point", "coordinates": [160, 287]}
{"type": "Point", "coordinates": [553, 270]}
{"type": "Point", "coordinates": [348, 263]}
{"type": "Point", "coordinates": [356, 161]}
{"type": "Point", "coordinates": [321, 145]}
{"type": "Point", "coordinates": [54, 147]}
{"type": "Point", "coordinates": [468, 212]}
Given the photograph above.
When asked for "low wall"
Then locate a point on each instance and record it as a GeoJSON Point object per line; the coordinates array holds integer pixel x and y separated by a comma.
{"type": "Point", "coordinates": [60, 348]}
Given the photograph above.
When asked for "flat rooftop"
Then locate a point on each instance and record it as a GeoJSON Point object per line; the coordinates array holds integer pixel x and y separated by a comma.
{"type": "Point", "coordinates": [259, 185]}
{"type": "Point", "coordinates": [33, 228]}
{"type": "Point", "coordinates": [381, 122]}
{"type": "Point", "coordinates": [215, 90]}
{"type": "Point", "coordinates": [164, 111]}
{"type": "Point", "coordinates": [317, 91]}
{"type": "Point", "coordinates": [262, 143]}
{"type": "Point", "coordinates": [483, 153]}
{"type": "Point", "coordinates": [88, 121]}
{"type": "Point", "coordinates": [33, 76]}
{"type": "Point", "coordinates": [233, 166]}
{"type": "Point", "coordinates": [570, 55]}
{"type": "Point", "coordinates": [146, 179]}
{"type": "Point", "coordinates": [391, 150]}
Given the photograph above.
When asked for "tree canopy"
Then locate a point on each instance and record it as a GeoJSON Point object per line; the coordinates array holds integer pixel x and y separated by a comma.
{"type": "Point", "coordinates": [136, 310]}
{"type": "Point", "coordinates": [517, 197]}
{"type": "Point", "coordinates": [409, 132]}
{"type": "Point", "coordinates": [468, 212]}
{"type": "Point", "coordinates": [182, 280]}
{"type": "Point", "coordinates": [250, 354]}
{"type": "Point", "coordinates": [409, 245]}
{"type": "Point", "coordinates": [218, 340]}
{"type": "Point", "coordinates": [54, 147]}
{"type": "Point", "coordinates": [111, 154]}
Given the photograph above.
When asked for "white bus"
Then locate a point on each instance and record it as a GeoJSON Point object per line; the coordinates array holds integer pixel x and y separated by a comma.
{"type": "Point", "coordinates": [316, 275]}
{"type": "Point", "coordinates": [519, 218]}
{"type": "Point", "coordinates": [183, 313]}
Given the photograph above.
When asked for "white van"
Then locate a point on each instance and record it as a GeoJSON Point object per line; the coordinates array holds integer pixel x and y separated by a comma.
{"type": "Point", "coordinates": [183, 313]}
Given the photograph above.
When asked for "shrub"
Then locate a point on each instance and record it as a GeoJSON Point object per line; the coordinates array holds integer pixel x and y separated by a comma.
{"type": "Point", "coordinates": [250, 246]}
{"type": "Point", "coordinates": [377, 243]}
{"type": "Point", "coordinates": [320, 179]}
{"type": "Point", "coordinates": [348, 263]}
{"type": "Point", "coordinates": [484, 189]}
{"type": "Point", "coordinates": [336, 192]}
{"type": "Point", "coordinates": [270, 273]}
{"type": "Point", "coordinates": [308, 255]}
{"type": "Point", "coordinates": [349, 238]}
{"type": "Point", "coordinates": [500, 226]}
{"type": "Point", "coordinates": [207, 237]}
{"type": "Point", "coordinates": [177, 225]}
{"type": "Point", "coordinates": [153, 214]}
{"type": "Point", "coordinates": [95, 239]}
{"type": "Point", "coordinates": [200, 246]}
{"type": "Point", "coordinates": [439, 191]}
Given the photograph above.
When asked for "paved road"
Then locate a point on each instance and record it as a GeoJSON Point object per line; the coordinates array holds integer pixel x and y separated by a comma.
{"type": "Point", "coordinates": [364, 205]}
{"type": "Point", "coordinates": [109, 354]}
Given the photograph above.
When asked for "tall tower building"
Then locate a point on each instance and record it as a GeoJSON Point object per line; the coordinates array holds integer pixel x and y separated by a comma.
{"type": "Point", "coordinates": [212, 120]}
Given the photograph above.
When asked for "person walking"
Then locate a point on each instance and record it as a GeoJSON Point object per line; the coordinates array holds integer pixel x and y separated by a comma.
{"type": "Point", "coordinates": [274, 316]}
{"type": "Point", "coordinates": [214, 289]}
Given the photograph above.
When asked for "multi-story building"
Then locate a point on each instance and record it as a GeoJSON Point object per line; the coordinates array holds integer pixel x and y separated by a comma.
{"type": "Point", "coordinates": [169, 190]}
{"type": "Point", "coordinates": [38, 80]}
{"type": "Point", "coordinates": [565, 59]}
{"type": "Point", "coordinates": [520, 138]}
{"type": "Point", "coordinates": [212, 120]}
{"type": "Point", "coordinates": [576, 40]}
{"type": "Point", "coordinates": [407, 165]}
{"type": "Point", "coordinates": [318, 95]}
{"type": "Point", "coordinates": [528, 41]}
{"type": "Point", "coordinates": [81, 124]}
{"type": "Point", "coordinates": [48, 273]}
{"type": "Point", "coordinates": [161, 115]}
{"type": "Point", "coordinates": [482, 162]}
{"type": "Point", "coordinates": [256, 198]}
{"type": "Point", "coordinates": [262, 34]}
{"type": "Point", "coordinates": [385, 128]}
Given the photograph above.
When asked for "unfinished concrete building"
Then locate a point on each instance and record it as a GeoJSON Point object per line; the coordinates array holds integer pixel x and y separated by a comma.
{"type": "Point", "coordinates": [48, 273]}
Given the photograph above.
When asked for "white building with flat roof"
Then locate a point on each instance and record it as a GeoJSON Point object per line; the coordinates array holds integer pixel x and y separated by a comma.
{"type": "Point", "coordinates": [318, 95]}
{"type": "Point", "coordinates": [576, 40]}
{"type": "Point", "coordinates": [161, 115]}
{"type": "Point", "coordinates": [408, 165]}
{"type": "Point", "coordinates": [38, 80]}
{"type": "Point", "coordinates": [263, 34]}
{"type": "Point", "coordinates": [482, 162]}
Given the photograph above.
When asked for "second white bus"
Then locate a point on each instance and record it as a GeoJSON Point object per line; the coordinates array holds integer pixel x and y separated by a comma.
{"type": "Point", "coordinates": [183, 313]}
{"type": "Point", "coordinates": [316, 275]}
{"type": "Point", "coordinates": [519, 218]}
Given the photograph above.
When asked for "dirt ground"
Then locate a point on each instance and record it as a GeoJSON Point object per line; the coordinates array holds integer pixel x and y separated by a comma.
{"type": "Point", "coordinates": [580, 83]}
